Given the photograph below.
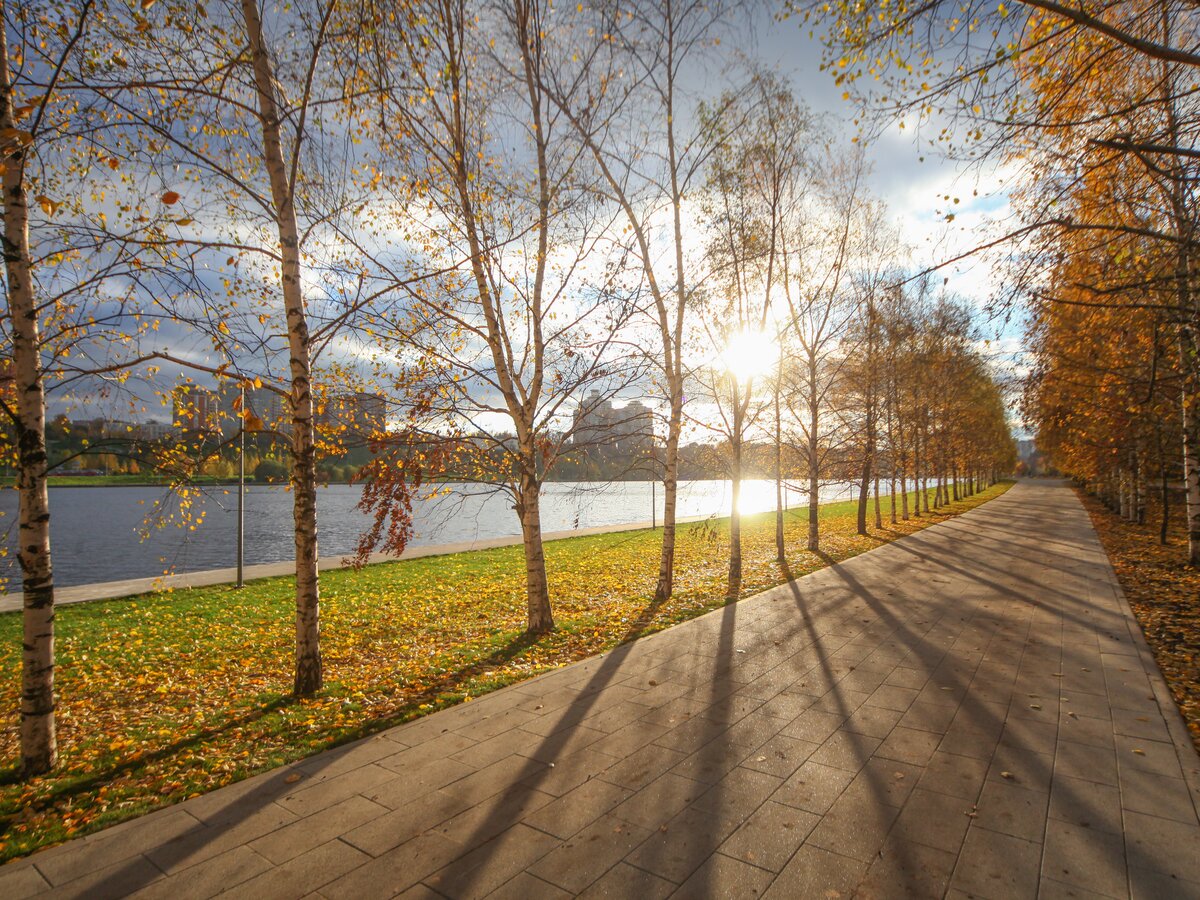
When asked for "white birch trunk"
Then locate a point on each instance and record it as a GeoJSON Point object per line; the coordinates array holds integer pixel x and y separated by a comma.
{"type": "Point", "coordinates": [39, 746]}
{"type": "Point", "coordinates": [309, 676]}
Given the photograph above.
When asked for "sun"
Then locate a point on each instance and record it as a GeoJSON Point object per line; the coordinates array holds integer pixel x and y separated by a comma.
{"type": "Point", "coordinates": [750, 354]}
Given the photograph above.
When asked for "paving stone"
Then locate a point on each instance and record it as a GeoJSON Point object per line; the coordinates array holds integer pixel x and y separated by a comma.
{"type": "Point", "coordinates": [643, 766]}
{"type": "Point", "coordinates": [720, 876]}
{"type": "Point", "coordinates": [907, 869]}
{"type": "Point", "coordinates": [120, 879]}
{"type": "Point", "coordinates": [884, 781]}
{"type": "Point", "coordinates": [814, 872]}
{"type": "Point", "coordinates": [814, 725]}
{"type": "Point", "coordinates": [308, 833]}
{"type": "Point", "coordinates": [958, 776]}
{"type": "Point", "coordinates": [770, 836]}
{"type": "Point", "coordinates": [19, 881]}
{"type": "Point", "coordinates": [385, 832]}
{"type": "Point", "coordinates": [1133, 724]}
{"type": "Point", "coordinates": [787, 705]}
{"type": "Point", "coordinates": [1086, 804]}
{"type": "Point", "coordinates": [304, 873]}
{"type": "Point", "coordinates": [491, 780]}
{"type": "Point", "coordinates": [1082, 761]}
{"type": "Point", "coordinates": [415, 782]}
{"type": "Point", "coordinates": [207, 879]}
{"type": "Point", "coordinates": [964, 712]}
{"type": "Point", "coordinates": [584, 858]}
{"type": "Point", "coordinates": [780, 756]}
{"type": "Point", "coordinates": [813, 787]}
{"type": "Point", "coordinates": [680, 845]}
{"type": "Point", "coordinates": [1036, 737]}
{"type": "Point", "coordinates": [507, 743]}
{"type": "Point", "coordinates": [1148, 756]}
{"type": "Point", "coordinates": [855, 826]}
{"type": "Point", "coordinates": [1085, 857]}
{"type": "Point", "coordinates": [624, 881]}
{"type": "Point", "coordinates": [1154, 884]}
{"type": "Point", "coordinates": [624, 741]}
{"type": "Point", "coordinates": [996, 865]}
{"type": "Point", "coordinates": [525, 887]}
{"type": "Point", "coordinates": [890, 696]}
{"type": "Point", "coordinates": [204, 842]}
{"type": "Point", "coordinates": [497, 814]}
{"type": "Point", "coordinates": [846, 750]}
{"type": "Point", "coordinates": [935, 820]}
{"type": "Point", "coordinates": [396, 870]}
{"type": "Point", "coordinates": [1011, 809]}
{"type": "Point", "coordinates": [1170, 848]}
{"type": "Point", "coordinates": [969, 742]}
{"type": "Point", "coordinates": [488, 866]}
{"type": "Point", "coordinates": [575, 809]}
{"type": "Point", "coordinates": [1156, 795]}
{"type": "Point", "coordinates": [910, 745]}
{"type": "Point", "coordinates": [571, 771]}
{"type": "Point", "coordinates": [737, 795]}
{"type": "Point", "coordinates": [125, 841]}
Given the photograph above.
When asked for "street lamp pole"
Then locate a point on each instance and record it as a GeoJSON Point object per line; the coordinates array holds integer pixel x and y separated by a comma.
{"type": "Point", "coordinates": [241, 505]}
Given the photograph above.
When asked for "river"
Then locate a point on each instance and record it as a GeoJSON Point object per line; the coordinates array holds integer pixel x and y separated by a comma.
{"type": "Point", "coordinates": [96, 530]}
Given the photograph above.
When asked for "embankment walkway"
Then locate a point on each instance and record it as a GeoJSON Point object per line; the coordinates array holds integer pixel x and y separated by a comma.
{"type": "Point", "coordinates": [969, 711]}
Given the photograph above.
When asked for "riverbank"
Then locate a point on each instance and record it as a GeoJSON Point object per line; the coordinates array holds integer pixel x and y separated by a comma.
{"type": "Point", "coordinates": [162, 701]}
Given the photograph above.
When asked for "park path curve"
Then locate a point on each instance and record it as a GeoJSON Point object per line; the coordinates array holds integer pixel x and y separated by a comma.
{"type": "Point", "coordinates": [970, 711]}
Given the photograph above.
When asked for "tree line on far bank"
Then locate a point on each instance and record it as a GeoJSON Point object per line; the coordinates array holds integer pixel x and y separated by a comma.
{"type": "Point", "coordinates": [482, 211]}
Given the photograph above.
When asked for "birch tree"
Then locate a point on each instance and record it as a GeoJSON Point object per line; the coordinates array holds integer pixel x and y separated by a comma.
{"type": "Point", "coordinates": [235, 108]}
{"type": "Point", "coordinates": [520, 327]}
{"type": "Point", "coordinates": [627, 97]}
{"type": "Point", "coordinates": [819, 244]}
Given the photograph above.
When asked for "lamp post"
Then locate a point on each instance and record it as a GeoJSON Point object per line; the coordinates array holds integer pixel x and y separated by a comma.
{"type": "Point", "coordinates": [241, 504]}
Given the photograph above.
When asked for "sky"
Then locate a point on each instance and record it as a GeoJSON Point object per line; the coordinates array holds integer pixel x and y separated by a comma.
{"type": "Point", "coordinates": [913, 179]}
{"type": "Point", "coordinates": [910, 178]}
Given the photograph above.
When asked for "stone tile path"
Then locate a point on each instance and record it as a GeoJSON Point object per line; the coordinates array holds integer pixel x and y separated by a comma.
{"type": "Point", "coordinates": [967, 712]}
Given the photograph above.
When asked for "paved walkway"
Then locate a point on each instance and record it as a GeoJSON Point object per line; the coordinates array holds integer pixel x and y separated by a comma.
{"type": "Point", "coordinates": [970, 711]}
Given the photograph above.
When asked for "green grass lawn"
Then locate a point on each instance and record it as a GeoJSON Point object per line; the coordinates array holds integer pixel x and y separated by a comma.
{"type": "Point", "coordinates": [164, 696]}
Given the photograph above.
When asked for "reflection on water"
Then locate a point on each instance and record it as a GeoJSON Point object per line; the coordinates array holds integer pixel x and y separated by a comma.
{"type": "Point", "coordinates": [95, 530]}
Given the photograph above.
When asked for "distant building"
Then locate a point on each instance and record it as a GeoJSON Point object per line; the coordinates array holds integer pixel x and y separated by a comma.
{"type": "Point", "coordinates": [101, 428]}
{"type": "Point", "coordinates": [203, 410]}
{"type": "Point", "coordinates": [1027, 453]}
{"type": "Point", "coordinates": [153, 431]}
{"type": "Point", "coordinates": [269, 407]}
{"type": "Point", "coordinates": [625, 429]}
{"type": "Point", "coordinates": [357, 414]}
{"type": "Point", "coordinates": [196, 410]}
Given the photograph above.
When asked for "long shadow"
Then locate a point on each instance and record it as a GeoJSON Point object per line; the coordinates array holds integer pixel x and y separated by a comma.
{"type": "Point", "coordinates": [483, 842]}
{"type": "Point", "coordinates": [135, 874]}
{"type": "Point", "coordinates": [976, 712]}
{"type": "Point", "coordinates": [999, 588]}
{"type": "Point", "coordinates": [260, 797]}
{"type": "Point", "coordinates": [874, 780]}
{"type": "Point", "coordinates": [713, 808]}
{"type": "Point", "coordinates": [108, 773]}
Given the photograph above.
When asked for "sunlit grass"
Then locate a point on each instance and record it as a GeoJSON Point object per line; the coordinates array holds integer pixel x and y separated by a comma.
{"type": "Point", "coordinates": [164, 696]}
